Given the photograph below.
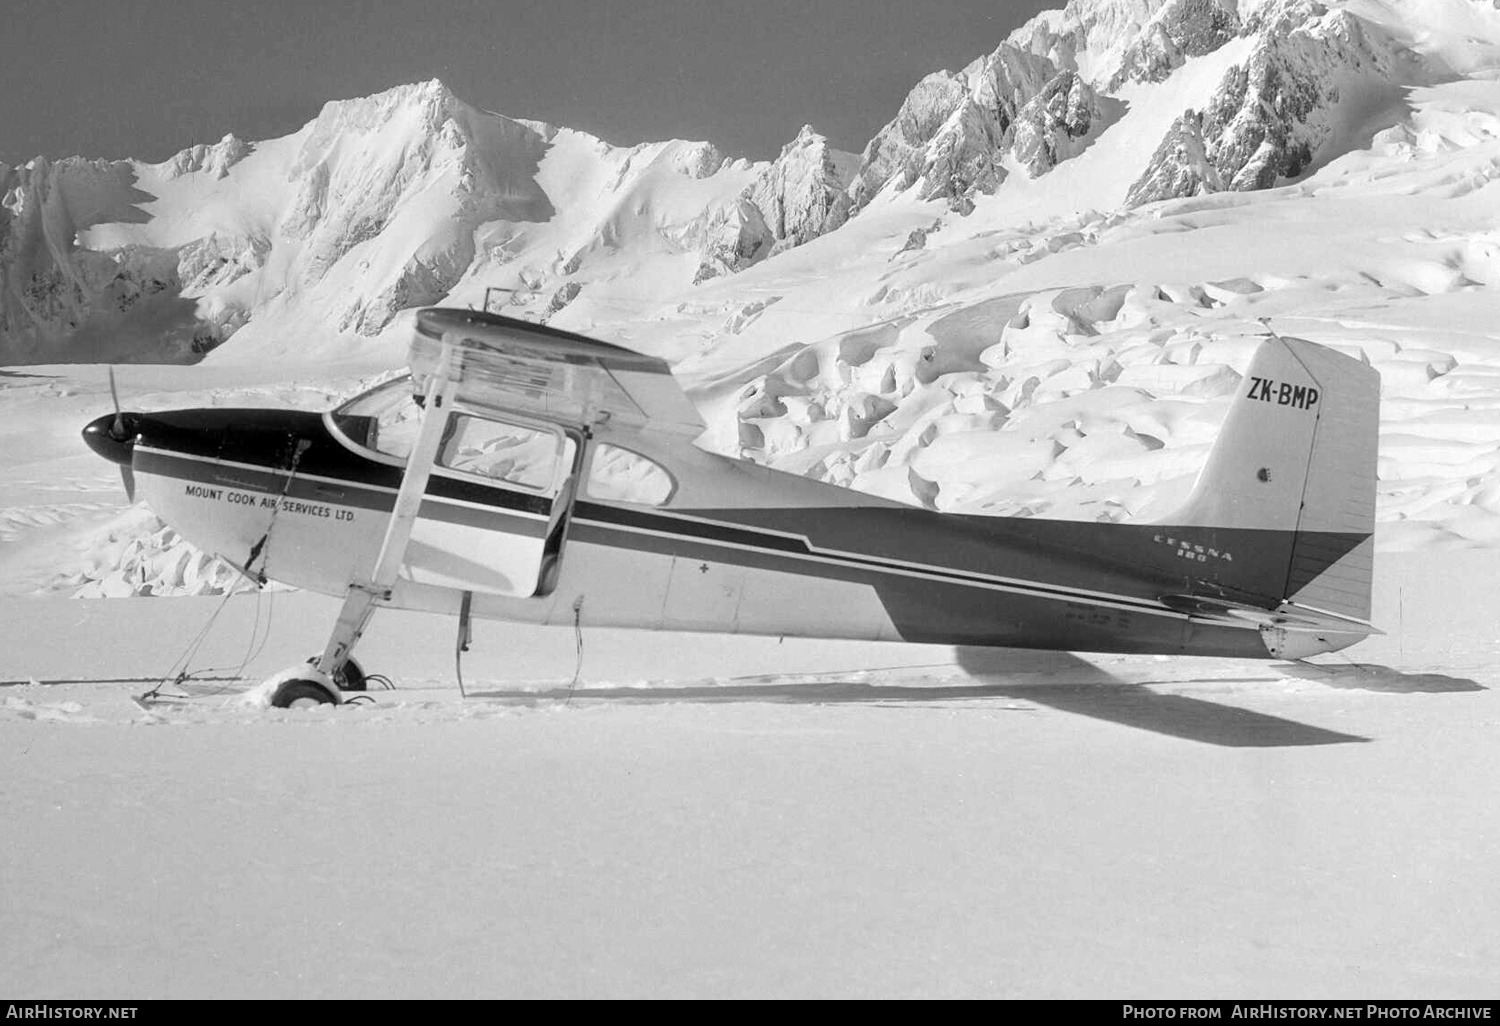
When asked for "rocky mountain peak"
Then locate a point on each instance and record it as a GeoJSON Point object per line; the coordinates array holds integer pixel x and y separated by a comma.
{"type": "Point", "coordinates": [800, 195]}
{"type": "Point", "coordinates": [48, 287]}
{"type": "Point", "coordinates": [1179, 29]}
{"type": "Point", "coordinates": [1273, 115]}
{"type": "Point", "coordinates": [952, 129]}
{"type": "Point", "coordinates": [1059, 122]}
{"type": "Point", "coordinates": [216, 158]}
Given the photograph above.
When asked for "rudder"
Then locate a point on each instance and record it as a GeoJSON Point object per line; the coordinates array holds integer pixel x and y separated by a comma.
{"type": "Point", "coordinates": [1297, 454]}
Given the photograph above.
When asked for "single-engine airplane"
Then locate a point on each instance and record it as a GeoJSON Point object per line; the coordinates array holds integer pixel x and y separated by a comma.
{"type": "Point", "coordinates": [520, 472]}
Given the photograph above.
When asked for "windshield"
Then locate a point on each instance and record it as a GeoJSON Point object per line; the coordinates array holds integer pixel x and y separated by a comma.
{"type": "Point", "coordinates": [385, 418]}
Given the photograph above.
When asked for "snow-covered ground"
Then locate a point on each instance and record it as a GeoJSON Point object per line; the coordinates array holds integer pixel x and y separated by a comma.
{"type": "Point", "coordinates": [701, 815]}
{"type": "Point", "coordinates": [716, 817]}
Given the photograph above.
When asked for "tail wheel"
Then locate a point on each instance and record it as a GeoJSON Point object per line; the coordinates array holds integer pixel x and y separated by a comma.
{"type": "Point", "coordinates": [301, 694]}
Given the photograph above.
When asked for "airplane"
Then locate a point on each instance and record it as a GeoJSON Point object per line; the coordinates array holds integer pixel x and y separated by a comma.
{"type": "Point", "coordinates": [521, 472]}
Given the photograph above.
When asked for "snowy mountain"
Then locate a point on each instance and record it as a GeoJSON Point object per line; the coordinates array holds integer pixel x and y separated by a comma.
{"type": "Point", "coordinates": [1031, 294]}
{"type": "Point", "coordinates": [378, 205]}
{"type": "Point", "coordinates": [1281, 110]}
{"type": "Point", "coordinates": [1111, 42]}
{"type": "Point", "coordinates": [799, 196]}
{"type": "Point", "coordinates": [411, 196]}
{"type": "Point", "coordinates": [950, 134]}
{"type": "Point", "coordinates": [398, 199]}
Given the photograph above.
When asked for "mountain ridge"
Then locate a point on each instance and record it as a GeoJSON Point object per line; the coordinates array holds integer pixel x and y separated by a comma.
{"type": "Point", "coordinates": [412, 196]}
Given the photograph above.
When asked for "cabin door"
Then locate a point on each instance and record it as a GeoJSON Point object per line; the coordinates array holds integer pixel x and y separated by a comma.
{"type": "Point", "coordinates": [497, 506]}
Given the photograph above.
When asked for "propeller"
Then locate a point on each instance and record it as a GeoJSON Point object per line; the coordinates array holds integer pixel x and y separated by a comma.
{"type": "Point", "coordinates": [118, 432]}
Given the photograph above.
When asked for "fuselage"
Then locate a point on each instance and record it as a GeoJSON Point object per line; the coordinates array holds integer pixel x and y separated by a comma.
{"type": "Point", "coordinates": [627, 527]}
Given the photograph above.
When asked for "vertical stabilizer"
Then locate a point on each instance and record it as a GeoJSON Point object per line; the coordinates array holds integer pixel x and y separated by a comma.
{"type": "Point", "coordinates": [1295, 462]}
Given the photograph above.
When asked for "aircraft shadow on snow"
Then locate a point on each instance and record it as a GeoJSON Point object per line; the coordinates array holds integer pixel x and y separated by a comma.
{"type": "Point", "coordinates": [1055, 680]}
{"type": "Point", "coordinates": [1374, 677]}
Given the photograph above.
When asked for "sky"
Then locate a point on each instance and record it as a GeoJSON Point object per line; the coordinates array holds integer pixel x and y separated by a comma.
{"type": "Point", "coordinates": [146, 78]}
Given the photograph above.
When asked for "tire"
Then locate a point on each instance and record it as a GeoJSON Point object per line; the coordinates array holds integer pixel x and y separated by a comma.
{"type": "Point", "coordinates": [349, 677]}
{"type": "Point", "coordinates": [300, 694]}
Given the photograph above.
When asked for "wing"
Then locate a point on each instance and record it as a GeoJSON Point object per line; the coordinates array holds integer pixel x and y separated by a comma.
{"type": "Point", "coordinates": [509, 365]}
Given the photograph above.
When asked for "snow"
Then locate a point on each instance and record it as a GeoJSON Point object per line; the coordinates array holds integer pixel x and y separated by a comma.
{"type": "Point", "coordinates": [706, 816]}
{"type": "Point", "coordinates": [700, 816]}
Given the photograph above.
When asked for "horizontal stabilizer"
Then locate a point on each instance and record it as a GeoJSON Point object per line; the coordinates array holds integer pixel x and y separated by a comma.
{"type": "Point", "coordinates": [1287, 616]}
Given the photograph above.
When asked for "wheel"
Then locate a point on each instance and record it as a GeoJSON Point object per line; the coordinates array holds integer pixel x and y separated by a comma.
{"type": "Point", "coordinates": [349, 677]}
{"type": "Point", "coordinates": [301, 694]}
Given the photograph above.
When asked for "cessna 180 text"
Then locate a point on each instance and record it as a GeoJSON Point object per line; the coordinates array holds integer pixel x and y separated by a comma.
{"type": "Point", "coordinates": [524, 473]}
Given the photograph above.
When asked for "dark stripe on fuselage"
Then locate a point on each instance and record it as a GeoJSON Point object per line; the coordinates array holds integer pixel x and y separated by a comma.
{"type": "Point", "coordinates": [1132, 560]}
{"type": "Point", "coordinates": [493, 515]}
{"type": "Point", "coordinates": [699, 528]}
{"type": "Point", "coordinates": [269, 439]}
{"type": "Point", "coordinates": [931, 607]}
{"type": "Point", "coordinates": [1117, 563]}
{"type": "Point", "coordinates": [1080, 600]}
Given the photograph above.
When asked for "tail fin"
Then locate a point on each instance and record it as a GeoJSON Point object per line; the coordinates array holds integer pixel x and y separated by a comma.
{"type": "Point", "coordinates": [1291, 483]}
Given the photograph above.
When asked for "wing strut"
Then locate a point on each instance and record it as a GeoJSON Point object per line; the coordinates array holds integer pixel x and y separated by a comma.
{"type": "Point", "coordinates": [365, 593]}
{"type": "Point", "coordinates": [465, 638]}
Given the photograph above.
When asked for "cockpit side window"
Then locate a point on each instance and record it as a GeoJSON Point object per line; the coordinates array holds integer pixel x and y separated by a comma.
{"type": "Point", "coordinates": [387, 419]}
{"type": "Point", "coordinates": [512, 453]}
{"type": "Point", "coordinates": [620, 475]}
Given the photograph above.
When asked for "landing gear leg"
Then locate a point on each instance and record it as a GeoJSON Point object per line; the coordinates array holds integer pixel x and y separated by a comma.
{"type": "Point", "coordinates": [324, 678]}
{"type": "Point", "coordinates": [465, 637]}
{"type": "Point", "coordinates": [349, 677]}
{"type": "Point", "coordinates": [354, 617]}
{"type": "Point", "coordinates": [363, 596]}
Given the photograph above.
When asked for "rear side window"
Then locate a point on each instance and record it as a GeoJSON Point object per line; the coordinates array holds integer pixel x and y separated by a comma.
{"type": "Point", "coordinates": [620, 475]}
{"type": "Point", "coordinates": [512, 453]}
